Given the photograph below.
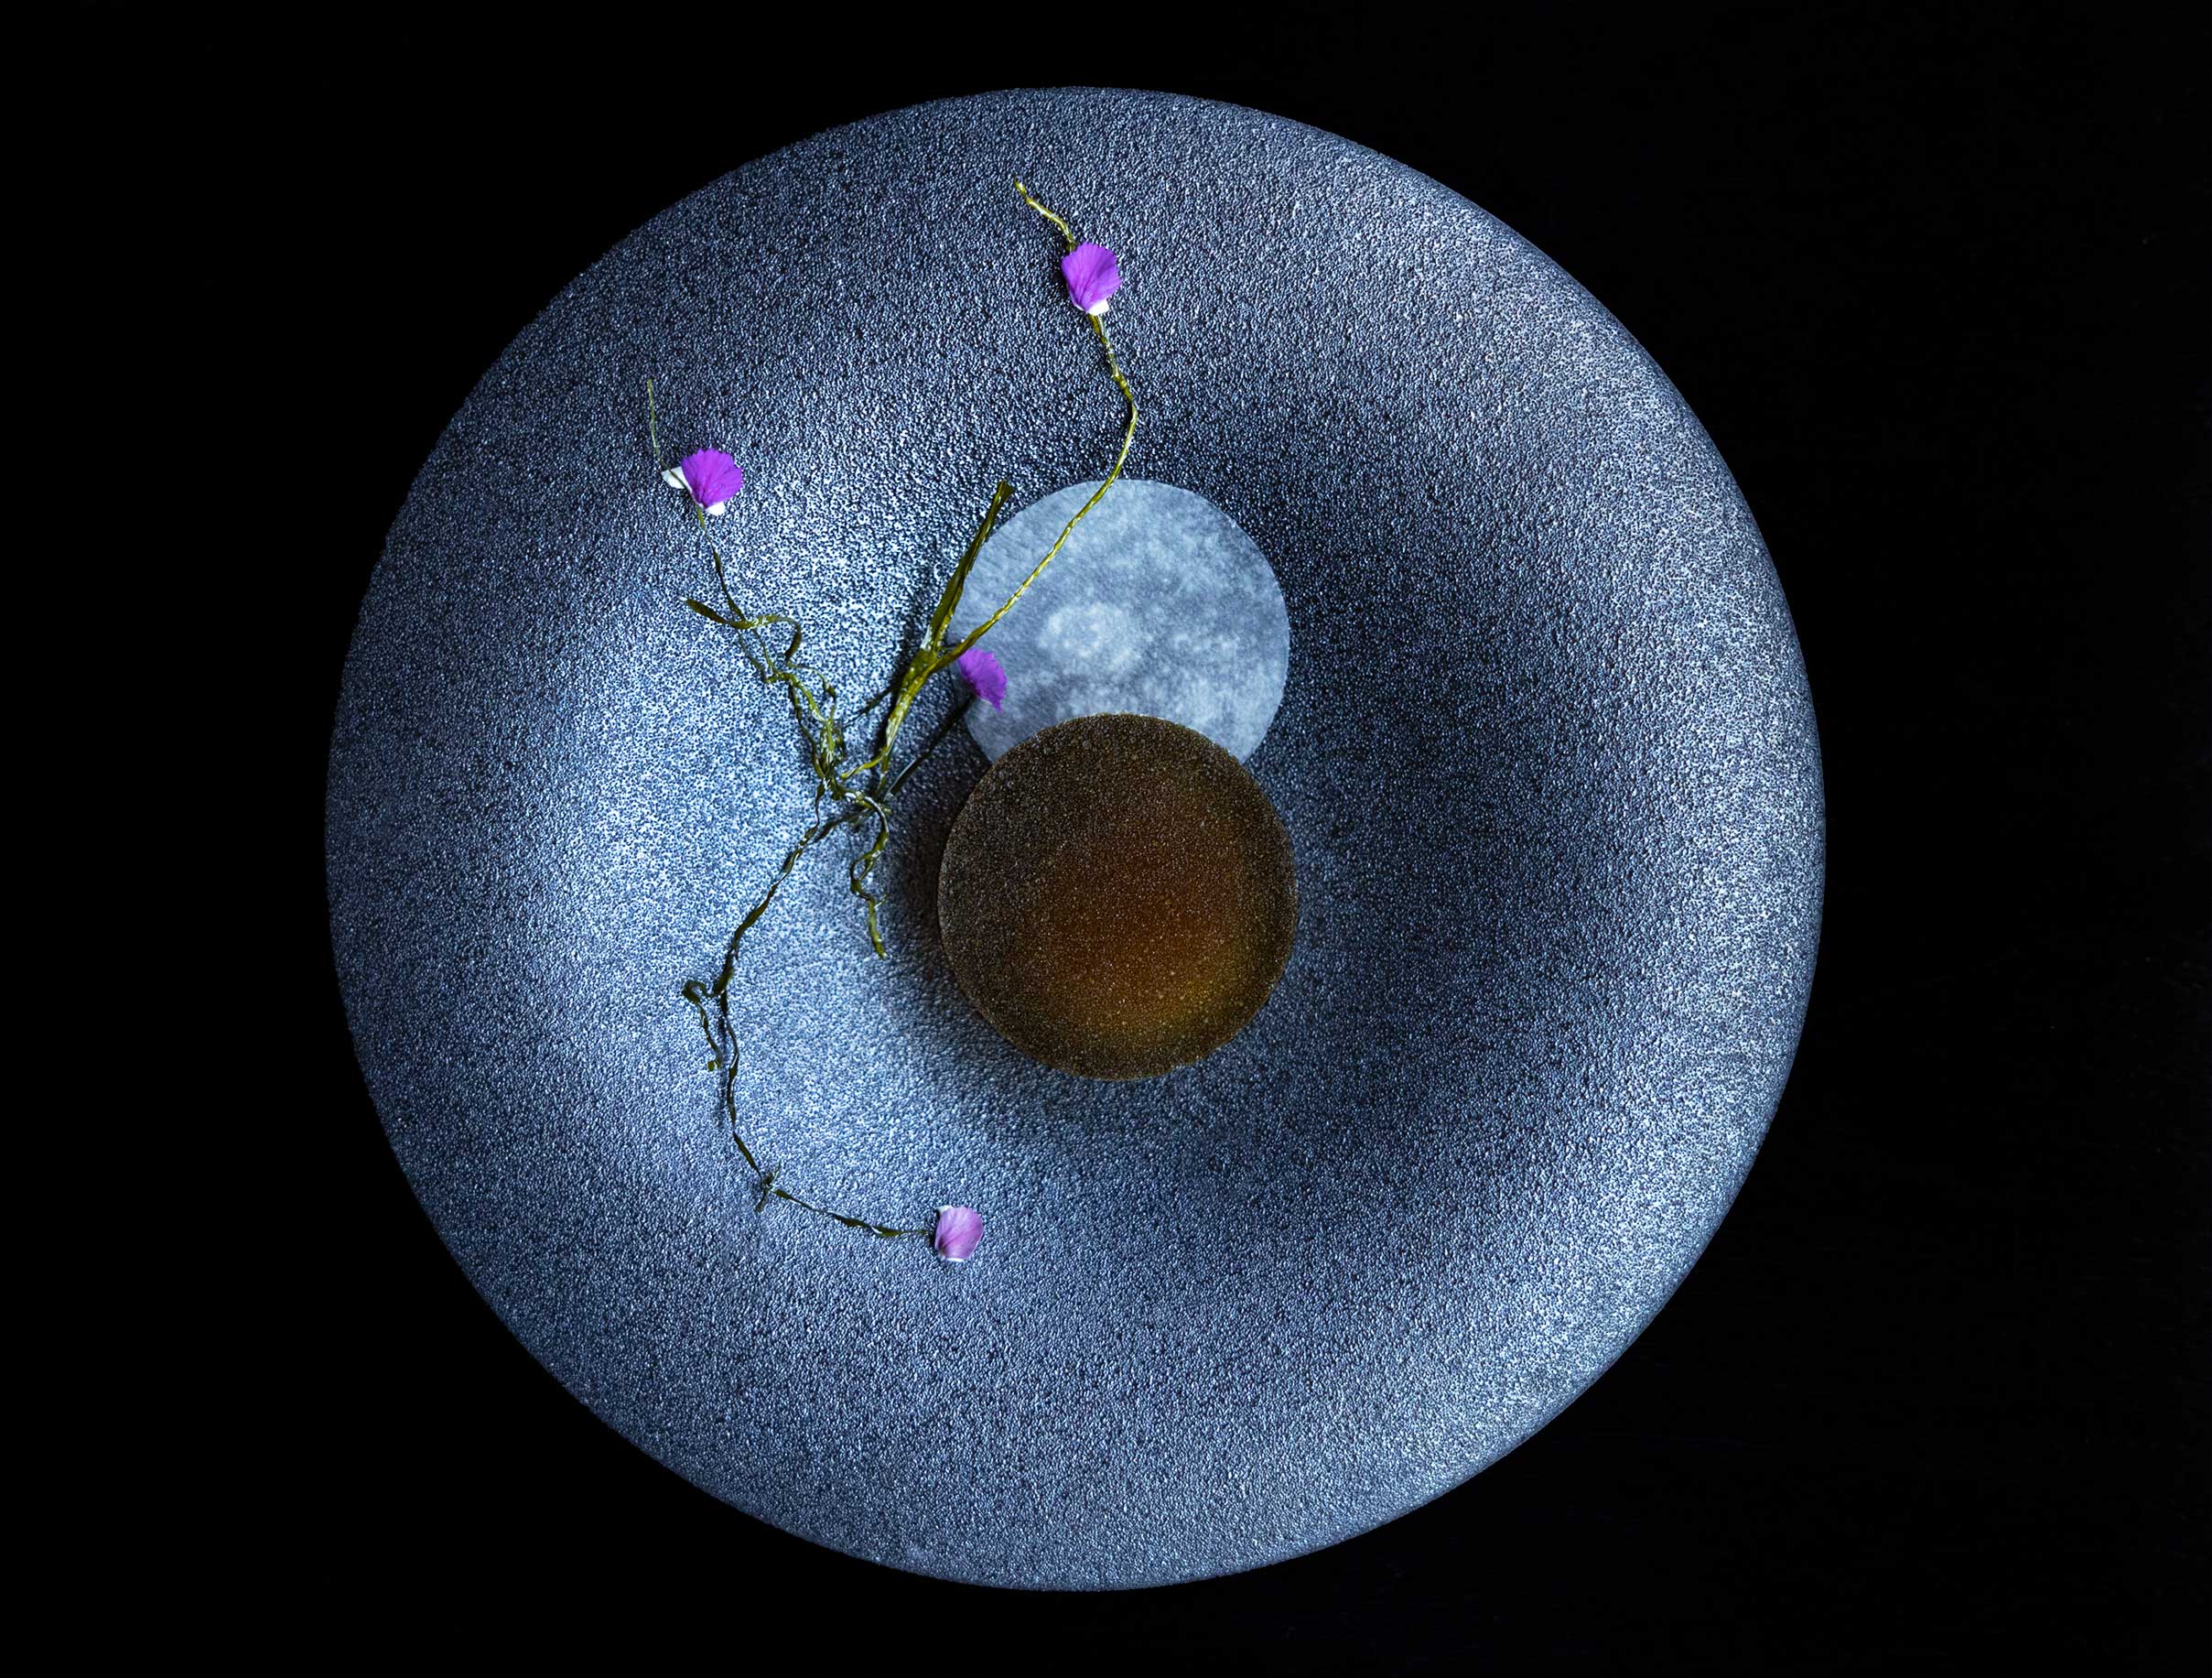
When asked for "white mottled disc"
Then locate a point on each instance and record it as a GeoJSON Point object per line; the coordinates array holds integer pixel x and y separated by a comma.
{"type": "Point", "coordinates": [1158, 604]}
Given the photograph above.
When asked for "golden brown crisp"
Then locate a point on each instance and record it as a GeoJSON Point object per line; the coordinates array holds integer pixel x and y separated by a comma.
{"type": "Point", "coordinates": [1119, 896]}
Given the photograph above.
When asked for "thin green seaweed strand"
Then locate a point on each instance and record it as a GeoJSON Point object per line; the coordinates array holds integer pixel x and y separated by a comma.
{"type": "Point", "coordinates": [816, 714]}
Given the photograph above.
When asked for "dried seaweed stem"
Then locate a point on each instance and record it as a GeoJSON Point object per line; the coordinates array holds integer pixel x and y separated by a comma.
{"type": "Point", "coordinates": [856, 795]}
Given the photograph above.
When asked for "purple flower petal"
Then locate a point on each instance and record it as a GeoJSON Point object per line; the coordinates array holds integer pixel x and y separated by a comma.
{"type": "Point", "coordinates": [959, 1229]}
{"type": "Point", "coordinates": [982, 671]}
{"type": "Point", "coordinates": [1093, 276]}
{"type": "Point", "coordinates": [713, 478]}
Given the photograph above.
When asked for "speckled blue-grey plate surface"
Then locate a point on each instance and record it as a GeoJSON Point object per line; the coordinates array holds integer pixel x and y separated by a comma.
{"type": "Point", "coordinates": [1546, 756]}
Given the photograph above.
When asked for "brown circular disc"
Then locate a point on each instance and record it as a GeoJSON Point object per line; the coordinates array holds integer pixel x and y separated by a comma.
{"type": "Point", "coordinates": [1118, 896]}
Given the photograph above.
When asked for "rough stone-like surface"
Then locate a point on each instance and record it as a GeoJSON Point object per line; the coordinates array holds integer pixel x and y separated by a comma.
{"type": "Point", "coordinates": [1546, 756]}
{"type": "Point", "coordinates": [1157, 605]}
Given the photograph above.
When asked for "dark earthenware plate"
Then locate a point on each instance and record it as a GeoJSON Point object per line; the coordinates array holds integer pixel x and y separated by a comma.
{"type": "Point", "coordinates": [1546, 755]}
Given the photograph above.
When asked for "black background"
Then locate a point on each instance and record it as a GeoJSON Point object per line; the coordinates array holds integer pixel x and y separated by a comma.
{"type": "Point", "coordinates": [1933, 279]}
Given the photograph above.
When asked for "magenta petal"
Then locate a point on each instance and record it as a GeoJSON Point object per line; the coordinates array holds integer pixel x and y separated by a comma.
{"type": "Point", "coordinates": [1093, 276]}
{"type": "Point", "coordinates": [959, 1229]}
{"type": "Point", "coordinates": [713, 476]}
{"type": "Point", "coordinates": [982, 672]}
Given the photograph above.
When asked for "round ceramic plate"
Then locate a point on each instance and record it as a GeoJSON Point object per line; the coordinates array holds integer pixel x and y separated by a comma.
{"type": "Point", "coordinates": [1545, 755]}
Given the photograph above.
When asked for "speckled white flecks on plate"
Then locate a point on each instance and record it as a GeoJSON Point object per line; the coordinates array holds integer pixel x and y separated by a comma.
{"type": "Point", "coordinates": [1545, 754]}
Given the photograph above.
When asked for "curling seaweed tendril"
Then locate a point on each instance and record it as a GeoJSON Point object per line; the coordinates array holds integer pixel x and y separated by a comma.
{"type": "Point", "coordinates": [858, 795]}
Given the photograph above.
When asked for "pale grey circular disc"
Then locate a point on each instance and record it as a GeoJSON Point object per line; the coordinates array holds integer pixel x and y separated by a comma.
{"type": "Point", "coordinates": [1157, 603]}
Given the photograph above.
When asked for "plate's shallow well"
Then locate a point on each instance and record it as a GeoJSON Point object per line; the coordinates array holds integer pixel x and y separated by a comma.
{"type": "Point", "coordinates": [1545, 757]}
